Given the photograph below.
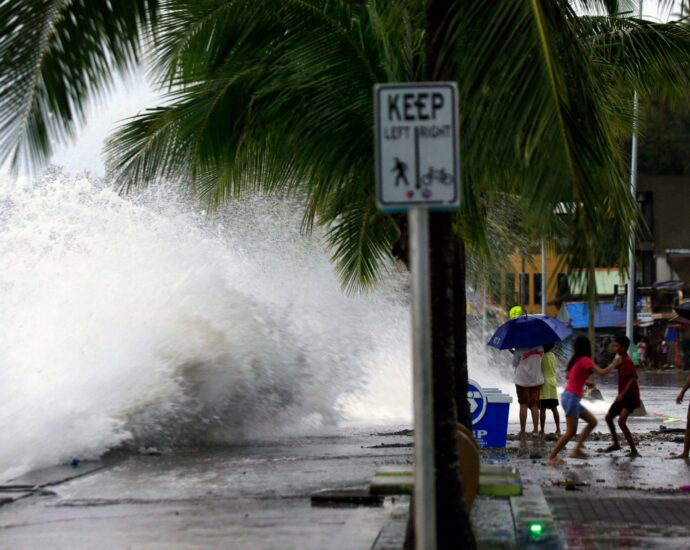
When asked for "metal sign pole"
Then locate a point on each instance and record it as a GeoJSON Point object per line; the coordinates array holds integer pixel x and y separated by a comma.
{"type": "Point", "coordinates": [424, 479]}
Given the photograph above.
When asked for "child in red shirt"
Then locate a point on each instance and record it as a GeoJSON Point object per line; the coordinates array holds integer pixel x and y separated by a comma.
{"type": "Point", "coordinates": [628, 398]}
{"type": "Point", "coordinates": [579, 369]}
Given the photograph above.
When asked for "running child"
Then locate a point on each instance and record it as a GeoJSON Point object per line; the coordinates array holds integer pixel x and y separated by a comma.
{"type": "Point", "coordinates": [686, 441]}
{"type": "Point", "coordinates": [579, 369]}
{"type": "Point", "coordinates": [628, 398]}
{"type": "Point", "coordinates": [548, 395]}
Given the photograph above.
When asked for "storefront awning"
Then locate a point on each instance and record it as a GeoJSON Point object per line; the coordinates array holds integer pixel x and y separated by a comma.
{"type": "Point", "coordinates": [576, 315]}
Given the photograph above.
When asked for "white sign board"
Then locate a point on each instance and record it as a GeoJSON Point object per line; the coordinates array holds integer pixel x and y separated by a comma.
{"type": "Point", "coordinates": [417, 146]}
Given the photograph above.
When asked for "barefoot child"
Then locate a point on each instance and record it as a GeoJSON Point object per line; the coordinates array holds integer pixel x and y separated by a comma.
{"type": "Point", "coordinates": [579, 369]}
{"type": "Point", "coordinates": [628, 398]}
{"type": "Point", "coordinates": [686, 442]}
{"type": "Point", "coordinates": [528, 381]}
{"type": "Point", "coordinates": [548, 396]}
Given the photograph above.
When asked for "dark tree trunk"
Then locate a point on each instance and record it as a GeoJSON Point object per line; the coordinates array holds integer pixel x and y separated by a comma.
{"type": "Point", "coordinates": [460, 308]}
{"type": "Point", "coordinates": [448, 326]}
{"type": "Point", "coordinates": [453, 526]}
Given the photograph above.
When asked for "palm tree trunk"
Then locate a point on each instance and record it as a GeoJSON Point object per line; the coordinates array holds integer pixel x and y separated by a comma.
{"type": "Point", "coordinates": [462, 406]}
{"type": "Point", "coordinates": [453, 526]}
{"type": "Point", "coordinates": [448, 325]}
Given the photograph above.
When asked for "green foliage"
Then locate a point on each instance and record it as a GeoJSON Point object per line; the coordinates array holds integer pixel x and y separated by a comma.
{"type": "Point", "coordinates": [53, 55]}
{"type": "Point", "coordinates": [276, 96]}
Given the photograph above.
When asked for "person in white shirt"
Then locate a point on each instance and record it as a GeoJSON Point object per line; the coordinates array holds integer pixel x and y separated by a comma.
{"type": "Point", "coordinates": [528, 381]}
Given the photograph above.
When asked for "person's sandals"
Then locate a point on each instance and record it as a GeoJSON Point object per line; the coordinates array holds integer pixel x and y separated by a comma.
{"type": "Point", "coordinates": [633, 455]}
{"type": "Point", "coordinates": [677, 457]}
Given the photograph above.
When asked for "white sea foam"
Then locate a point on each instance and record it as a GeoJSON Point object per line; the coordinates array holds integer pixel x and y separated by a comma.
{"type": "Point", "coordinates": [146, 320]}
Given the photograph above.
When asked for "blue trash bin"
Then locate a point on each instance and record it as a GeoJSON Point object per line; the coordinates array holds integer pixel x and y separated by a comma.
{"type": "Point", "coordinates": [489, 408]}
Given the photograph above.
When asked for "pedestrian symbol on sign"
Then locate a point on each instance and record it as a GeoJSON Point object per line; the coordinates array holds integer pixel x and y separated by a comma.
{"type": "Point", "coordinates": [401, 169]}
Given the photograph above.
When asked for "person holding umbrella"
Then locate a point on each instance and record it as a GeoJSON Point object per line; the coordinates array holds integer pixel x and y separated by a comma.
{"type": "Point", "coordinates": [579, 369]}
{"type": "Point", "coordinates": [528, 382]}
{"type": "Point", "coordinates": [526, 335]}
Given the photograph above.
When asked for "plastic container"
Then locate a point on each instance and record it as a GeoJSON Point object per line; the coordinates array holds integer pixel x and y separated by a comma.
{"type": "Point", "coordinates": [489, 408]}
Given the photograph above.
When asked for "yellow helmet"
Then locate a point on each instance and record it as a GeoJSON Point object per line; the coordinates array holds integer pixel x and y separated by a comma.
{"type": "Point", "coordinates": [515, 311]}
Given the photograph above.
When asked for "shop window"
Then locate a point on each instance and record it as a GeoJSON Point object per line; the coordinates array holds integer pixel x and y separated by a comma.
{"type": "Point", "coordinates": [537, 288]}
{"type": "Point", "coordinates": [524, 288]}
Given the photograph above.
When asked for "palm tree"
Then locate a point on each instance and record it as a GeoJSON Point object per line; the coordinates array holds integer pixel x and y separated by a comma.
{"type": "Point", "coordinates": [277, 96]}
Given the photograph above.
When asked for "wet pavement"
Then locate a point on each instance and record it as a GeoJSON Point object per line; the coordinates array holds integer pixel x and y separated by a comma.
{"type": "Point", "coordinates": [258, 495]}
{"type": "Point", "coordinates": [255, 496]}
{"type": "Point", "coordinates": [609, 500]}
{"type": "Point", "coordinates": [608, 519]}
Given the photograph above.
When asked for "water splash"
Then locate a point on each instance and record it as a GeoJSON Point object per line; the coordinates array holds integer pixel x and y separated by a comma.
{"type": "Point", "coordinates": [148, 320]}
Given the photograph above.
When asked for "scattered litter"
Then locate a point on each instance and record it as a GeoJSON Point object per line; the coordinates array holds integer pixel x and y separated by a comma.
{"type": "Point", "coordinates": [345, 498]}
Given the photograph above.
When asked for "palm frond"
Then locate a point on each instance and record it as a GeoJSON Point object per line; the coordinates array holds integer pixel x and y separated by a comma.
{"type": "Point", "coordinates": [274, 100]}
{"type": "Point", "coordinates": [361, 238]}
{"type": "Point", "coordinates": [537, 118]}
{"type": "Point", "coordinates": [652, 58]}
{"type": "Point", "coordinates": [55, 55]}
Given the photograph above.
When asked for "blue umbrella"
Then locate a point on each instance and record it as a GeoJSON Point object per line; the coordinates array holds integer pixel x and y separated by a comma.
{"type": "Point", "coordinates": [528, 331]}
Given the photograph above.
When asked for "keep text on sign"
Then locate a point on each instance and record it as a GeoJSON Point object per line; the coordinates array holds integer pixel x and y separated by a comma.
{"type": "Point", "coordinates": [417, 146]}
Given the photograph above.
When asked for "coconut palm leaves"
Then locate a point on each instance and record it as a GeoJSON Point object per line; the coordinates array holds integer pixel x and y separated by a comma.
{"type": "Point", "coordinates": [53, 55]}
{"type": "Point", "coordinates": [556, 90]}
{"type": "Point", "coordinates": [277, 96]}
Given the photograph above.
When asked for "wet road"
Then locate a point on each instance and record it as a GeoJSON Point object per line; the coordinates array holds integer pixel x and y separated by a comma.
{"type": "Point", "coordinates": [257, 495]}
{"type": "Point", "coordinates": [252, 496]}
{"type": "Point", "coordinates": [658, 434]}
{"type": "Point", "coordinates": [609, 500]}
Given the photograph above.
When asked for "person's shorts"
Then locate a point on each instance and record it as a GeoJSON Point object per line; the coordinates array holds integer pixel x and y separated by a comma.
{"type": "Point", "coordinates": [548, 403]}
{"type": "Point", "coordinates": [617, 407]}
{"type": "Point", "coordinates": [571, 404]}
{"type": "Point", "coordinates": [528, 396]}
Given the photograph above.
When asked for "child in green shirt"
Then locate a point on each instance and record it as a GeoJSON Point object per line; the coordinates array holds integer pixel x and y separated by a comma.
{"type": "Point", "coordinates": [548, 396]}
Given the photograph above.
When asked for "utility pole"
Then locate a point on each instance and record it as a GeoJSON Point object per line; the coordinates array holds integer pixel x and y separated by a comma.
{"type": "Point", "coordinates": [632, 275]}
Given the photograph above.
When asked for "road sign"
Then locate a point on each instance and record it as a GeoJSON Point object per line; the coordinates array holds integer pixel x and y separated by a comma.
{"type": "Point", "coordinates": [417, 146]}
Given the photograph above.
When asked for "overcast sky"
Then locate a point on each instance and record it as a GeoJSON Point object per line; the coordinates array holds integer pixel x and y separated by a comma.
{"type": "Point", "coordinates": [128, 99]}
